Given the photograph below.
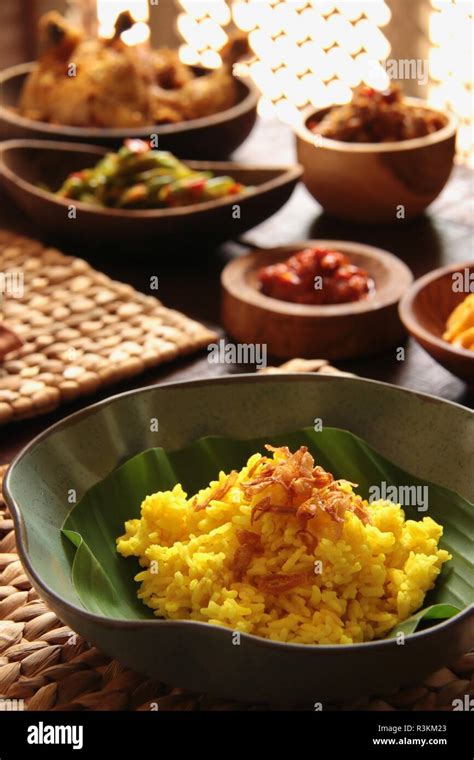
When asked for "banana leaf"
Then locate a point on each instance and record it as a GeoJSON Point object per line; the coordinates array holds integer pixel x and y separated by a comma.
{"type": "Point", "coordinates": [104, 580]}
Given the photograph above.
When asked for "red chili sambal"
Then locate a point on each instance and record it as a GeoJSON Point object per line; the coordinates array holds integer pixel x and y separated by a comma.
{"type": "Point", "coordinates": [316, 276]}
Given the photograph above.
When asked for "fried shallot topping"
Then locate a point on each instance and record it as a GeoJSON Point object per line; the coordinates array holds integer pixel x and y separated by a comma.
{"type": "Point", "coordinates": [306, 492]}
{"type": "Point", "coordinates": [250, 546]}
{"type": "Point", "coordinates": [308, 489]}
{"type": "Point", "coordinates": [218, 494]}
{"type": "Point", "coordinates": [280, 583]}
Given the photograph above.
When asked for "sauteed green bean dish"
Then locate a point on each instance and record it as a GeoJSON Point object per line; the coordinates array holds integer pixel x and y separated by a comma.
{"type": "Point", "coordinates": [138, 177]}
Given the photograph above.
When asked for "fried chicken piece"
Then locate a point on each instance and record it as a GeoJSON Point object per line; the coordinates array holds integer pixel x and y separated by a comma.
{"type": "Point", "coordinates": [57, 41]}
{"type": "Point", "coordinates": [108, 85]}
{"type": "Point", "coordinates": [57, 38]}
{"type": "Point", "coordinates": [207, 94]}
{"type": "Point", "coordinates": [112, 84]}
{"type": "Point", "coordinates": [170, 72]}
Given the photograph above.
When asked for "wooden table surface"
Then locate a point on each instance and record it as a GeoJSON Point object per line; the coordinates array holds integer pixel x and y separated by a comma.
{"type": "Point", "coordinates": [189, 276]}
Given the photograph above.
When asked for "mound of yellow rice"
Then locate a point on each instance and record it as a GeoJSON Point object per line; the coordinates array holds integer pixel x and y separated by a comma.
{"type": "Point", "coordinates": [284, 551]}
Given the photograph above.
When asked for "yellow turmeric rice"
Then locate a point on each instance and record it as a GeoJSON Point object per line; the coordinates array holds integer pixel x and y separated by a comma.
{"type": "Point", "coordinates": [283, 550]}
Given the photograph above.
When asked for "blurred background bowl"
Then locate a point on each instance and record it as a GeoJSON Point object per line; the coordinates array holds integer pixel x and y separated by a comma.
{"type": "Point", "coordinates": [28, 166]}
{"type": "Point", "coordinates": [329, 331]}
{"type": "Point", "coordinates": [370, 182]}
{"type": "Point", "coordinates": [424, 310]}
{"type": "Point", "coordinates": [215, 136]}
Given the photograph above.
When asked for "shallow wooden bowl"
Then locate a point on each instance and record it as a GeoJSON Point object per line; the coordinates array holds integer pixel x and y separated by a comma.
{"type": "Point", "coordinates": [336, 331]}
{"type": "Point", "coordinates": [371, 182]}
{"type": "Point", "coordinates": [424, 310]}
{"type": "Point", "coordinates": [211, 137]}
{"type": "Point", "coordinates": [25, 164]}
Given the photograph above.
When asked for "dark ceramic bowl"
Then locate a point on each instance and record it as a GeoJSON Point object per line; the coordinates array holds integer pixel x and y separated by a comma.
{"type": "Point", "coordinates": [211, 137]}
{"type": "Point", "coordinates": [419, 433]}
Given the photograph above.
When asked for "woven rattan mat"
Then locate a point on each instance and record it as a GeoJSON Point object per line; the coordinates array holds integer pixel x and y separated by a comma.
{"type": "Point", "coordinates": [45, 664]}
{"type": "Point", "coordinates": [81, 330]}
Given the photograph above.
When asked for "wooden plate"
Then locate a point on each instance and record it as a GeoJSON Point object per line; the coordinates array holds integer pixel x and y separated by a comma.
{"type": "Point", "coordinates": [211, 137]}
{"type": "Point", "coordinates": [336, 331]}
{"type": "Point", "coordinates": [24, 164]}
{"type": "Point", "coordinates": [375, 183]}
{"type": "Point", "coordinates": [424, 310]}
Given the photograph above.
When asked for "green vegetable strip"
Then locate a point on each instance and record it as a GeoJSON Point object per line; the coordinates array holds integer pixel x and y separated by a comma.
{"type": "Point", "coordinates": [138, 177]}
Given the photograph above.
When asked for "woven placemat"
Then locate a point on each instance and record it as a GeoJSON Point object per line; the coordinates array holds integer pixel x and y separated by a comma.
{"type": "Point", "coordinates": [49, 667]}
{"type": "Point", "coordinates": [81, 330]}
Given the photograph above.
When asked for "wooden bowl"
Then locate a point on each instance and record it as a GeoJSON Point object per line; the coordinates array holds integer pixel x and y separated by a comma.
{"type": "Point", "coordinates": [338, 331]}
{"type": "Point", "coordinates": [211, 137]}
{"type": "Point", "coordinates": [24, 164]}
{"type": "Point", "coordinates": [424, 310]}
{"type": "Point", "coordinates": [371, 182]}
